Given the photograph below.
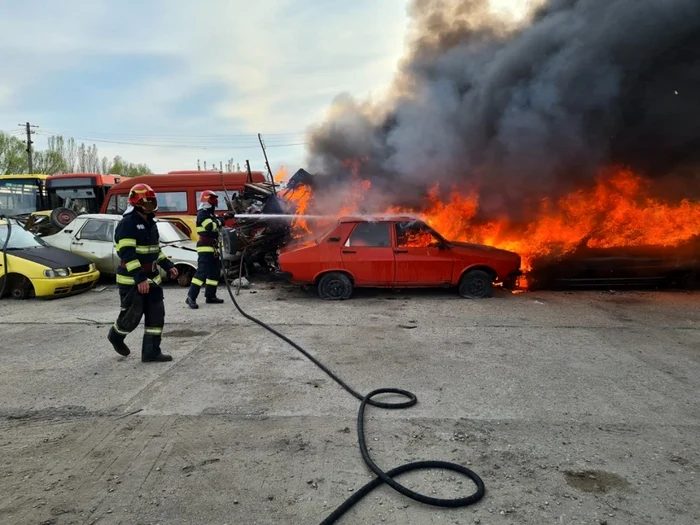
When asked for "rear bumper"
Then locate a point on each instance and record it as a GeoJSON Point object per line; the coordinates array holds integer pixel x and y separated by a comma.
{"type": "Point", "coordinates": [65, 286]}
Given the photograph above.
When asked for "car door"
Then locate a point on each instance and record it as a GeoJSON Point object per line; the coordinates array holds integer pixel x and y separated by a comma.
{"type": "Point", "coordinates": [368, 255]}
{"type": "Point", "coordinates": [420, 259]}
{"type": "Point", "coordinates": [95, 240]}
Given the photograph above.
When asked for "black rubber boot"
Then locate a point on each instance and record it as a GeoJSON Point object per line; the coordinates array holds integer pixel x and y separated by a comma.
{"type": "Point", "coordinates": [150, 352]}
{"type": "Point", "coordinates": [214, 300]}
{"type": "Point", "coordinates": [118, 343]}
{"type": "Point", "coordinates": [192, 303]}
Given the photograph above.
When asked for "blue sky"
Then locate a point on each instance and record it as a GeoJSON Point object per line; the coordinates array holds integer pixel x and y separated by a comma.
{"type": "Point", "coordinates": [157, 80]}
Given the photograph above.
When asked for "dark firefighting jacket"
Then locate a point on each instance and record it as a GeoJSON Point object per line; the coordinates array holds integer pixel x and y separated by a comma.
{"type": "Point", "coordinates": [208, 227]}
{"type": "Point", "coordinates": [138, 247]}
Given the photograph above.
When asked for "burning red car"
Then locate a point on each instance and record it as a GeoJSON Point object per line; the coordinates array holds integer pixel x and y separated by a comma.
{"type": "Point", "coordinates": [394, 252]}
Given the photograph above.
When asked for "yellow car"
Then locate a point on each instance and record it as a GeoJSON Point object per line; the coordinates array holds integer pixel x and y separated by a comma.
{"type": "Point", "coordinates": [31, 268]}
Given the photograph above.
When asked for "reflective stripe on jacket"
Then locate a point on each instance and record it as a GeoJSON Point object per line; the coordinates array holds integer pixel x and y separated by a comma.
{"type": "Point", "coordinates": [138, 247]}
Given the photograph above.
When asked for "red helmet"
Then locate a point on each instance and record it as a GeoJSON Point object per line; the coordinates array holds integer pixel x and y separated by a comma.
{"type": "Point", "coordinates": [210, 197]}
{"type": "Point", "coordinates": [143, 196]}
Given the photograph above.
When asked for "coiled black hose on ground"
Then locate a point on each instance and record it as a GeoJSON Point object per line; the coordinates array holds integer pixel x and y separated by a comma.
{"type": "Point", "coordinates": [4, 257]}
{"type": "Point", "coordinates": [382, 477]}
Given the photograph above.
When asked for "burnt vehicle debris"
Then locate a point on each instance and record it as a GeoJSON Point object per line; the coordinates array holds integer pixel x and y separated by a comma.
{"type": "Point", "coordinates": [251, 244]}
{"type": "Point", "coordinates": [632, 267]}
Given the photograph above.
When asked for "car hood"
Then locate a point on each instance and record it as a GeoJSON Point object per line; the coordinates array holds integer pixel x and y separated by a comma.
{"type": "Point", "coordinates": [469, 248]}
{"type": "Point", "coordinates": [183, 245]}
{"type": "Point", "coordinates": [50, 257]}
{"type": "Point", "coordinates": [182, 251]}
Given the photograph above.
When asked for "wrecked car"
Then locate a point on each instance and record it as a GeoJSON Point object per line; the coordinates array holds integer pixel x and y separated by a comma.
{"type": "Point", "coordinates": [29, 267]}
{"type": "Point", "coordinates": [394, 252]}
{"type": "Point", "coordinates": [638, 266]}
{"type": "Point", "coordinates": [92, 236]}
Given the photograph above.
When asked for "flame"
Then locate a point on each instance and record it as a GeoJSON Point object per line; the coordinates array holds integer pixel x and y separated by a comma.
{"type": "Point", "coordinates": [617, 211]}
{"type": "Point", "coordinates": [281, 176]}
{"type": "Point", "coordinates": [299, 200]}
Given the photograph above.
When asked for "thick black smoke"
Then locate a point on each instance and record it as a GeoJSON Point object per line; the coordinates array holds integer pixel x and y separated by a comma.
{"type": "Point", "coordinates": [529, 111]}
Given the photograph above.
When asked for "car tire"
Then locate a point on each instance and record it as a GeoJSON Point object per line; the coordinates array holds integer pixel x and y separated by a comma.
{"type": "Point", "coordinates": [62, 217]}
{"type": "Point", "coordinates": [334, 286]}
{"type": "Point", "coordinates": [476, 284]}
{"type": "Point", "coordinates": [185, 274]}
{"type": "Point", "coordinates": [20, 288]}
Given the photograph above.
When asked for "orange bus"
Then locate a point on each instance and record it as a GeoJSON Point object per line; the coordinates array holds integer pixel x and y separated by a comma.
{"type": "Point", "coordinates": [67, 196]}
{"type": "Point", "coordinates": [81, 192]}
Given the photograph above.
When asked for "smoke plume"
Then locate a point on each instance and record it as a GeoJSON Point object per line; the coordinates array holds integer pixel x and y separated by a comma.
{"type": "Point", "coordinates": [525, 111]}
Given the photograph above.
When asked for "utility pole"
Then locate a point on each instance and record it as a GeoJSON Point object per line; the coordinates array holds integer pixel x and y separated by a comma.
{"type": "Point", "coordinates": [29, 127]}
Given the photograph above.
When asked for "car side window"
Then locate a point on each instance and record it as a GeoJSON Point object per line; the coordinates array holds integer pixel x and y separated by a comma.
{"type": "Point", "coordinates": [371, 234]}
{"type": "Point", "coordinates": [96, 230]}
{"type": "Point", "coordinates": [415, 235]}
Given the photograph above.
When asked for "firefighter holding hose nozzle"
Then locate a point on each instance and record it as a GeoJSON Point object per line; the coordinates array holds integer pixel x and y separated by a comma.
{"type": "Point", "coordinates": [208, 260]}
{"type": "Point", "coordinates": [138, 278]}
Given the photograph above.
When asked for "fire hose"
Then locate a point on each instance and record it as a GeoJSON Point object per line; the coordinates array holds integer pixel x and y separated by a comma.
{"type": "Point", "coordinates": [368, 399]}
{"type": "Point", "coordinates": [4, 257]}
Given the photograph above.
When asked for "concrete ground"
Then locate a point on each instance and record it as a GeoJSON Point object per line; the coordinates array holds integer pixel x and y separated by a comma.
{"type": "Point", "coordinates": [573, 407]}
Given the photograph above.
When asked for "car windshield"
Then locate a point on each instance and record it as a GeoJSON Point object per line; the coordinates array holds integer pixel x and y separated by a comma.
{"type": "Point", "coordinates": [19, 238]}
{"type": "Point", "coordinates": [168, 233]}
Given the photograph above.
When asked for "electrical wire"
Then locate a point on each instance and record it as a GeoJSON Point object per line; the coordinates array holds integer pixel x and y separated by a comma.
{"type": "Point", "coordinates": [203, 146]}
{"type": "Point", "coordinates": [368, 399]}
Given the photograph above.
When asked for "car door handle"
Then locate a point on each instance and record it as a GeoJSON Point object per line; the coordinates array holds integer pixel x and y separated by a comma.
{"type": "Point", "coordinates": [77, 243]}
{"type": "Point", "coordinates": [400, 251]}
{"type": "Point", "coordinates": [349, 251]}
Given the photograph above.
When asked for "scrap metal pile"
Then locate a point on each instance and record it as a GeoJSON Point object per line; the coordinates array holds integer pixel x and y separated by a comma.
{"type": "Point", "coordinates": [252, 243]}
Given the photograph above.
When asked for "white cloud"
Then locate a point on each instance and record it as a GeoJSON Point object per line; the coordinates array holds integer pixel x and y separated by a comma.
{"type": "Point", "coordinates": [279, 63]}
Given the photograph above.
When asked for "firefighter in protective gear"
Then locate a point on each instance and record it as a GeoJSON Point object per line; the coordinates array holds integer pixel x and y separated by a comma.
{"type": "Point", "coordinates": [138, 279]}
{"type": "Point", "coordinates": [208, 261]}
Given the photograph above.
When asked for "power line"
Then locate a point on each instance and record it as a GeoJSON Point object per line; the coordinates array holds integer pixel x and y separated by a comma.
{"type": "Point", "coordinates": [221, 136]}
{"type": "Point", "coordinates": [182, 145]}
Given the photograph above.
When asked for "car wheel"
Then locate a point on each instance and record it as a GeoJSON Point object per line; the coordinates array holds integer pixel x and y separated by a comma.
{"type": "Point", "coordinates": [476, 284]}
{"type": "Point", "coordinates": [20, 288]}
{"type": "Point", "coordinates": [185, 274]}
{"type": "Point", "coordinates": [335, 286]}
{"type": "Point", "coordinates": [688, 280]}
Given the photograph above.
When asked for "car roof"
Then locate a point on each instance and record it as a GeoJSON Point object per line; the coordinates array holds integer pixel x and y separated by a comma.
{"type": "Point", "coordinates": [113, 217]}
{"type": "Point", "coordinates": [379, 218]}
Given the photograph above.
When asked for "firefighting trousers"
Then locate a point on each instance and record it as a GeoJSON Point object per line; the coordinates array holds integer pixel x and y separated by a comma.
{"type": "Point", "coordinates": [208, 272]}
{"type": "Point", "coordinates": [134, 306]}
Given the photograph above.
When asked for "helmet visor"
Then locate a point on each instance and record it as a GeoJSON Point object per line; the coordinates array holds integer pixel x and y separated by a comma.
{"type": "Point", "coordinates": [150, 205]}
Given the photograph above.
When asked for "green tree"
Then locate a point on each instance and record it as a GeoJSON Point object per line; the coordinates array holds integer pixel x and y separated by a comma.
{"type": "Point", "coordinates": [63, 156]}
{"type": "Point", "coordinates": [13, 158]}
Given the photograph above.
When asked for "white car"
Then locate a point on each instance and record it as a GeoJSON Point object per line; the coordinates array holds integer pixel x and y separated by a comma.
{"type": "Point", "coordinates": [92, 236]}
